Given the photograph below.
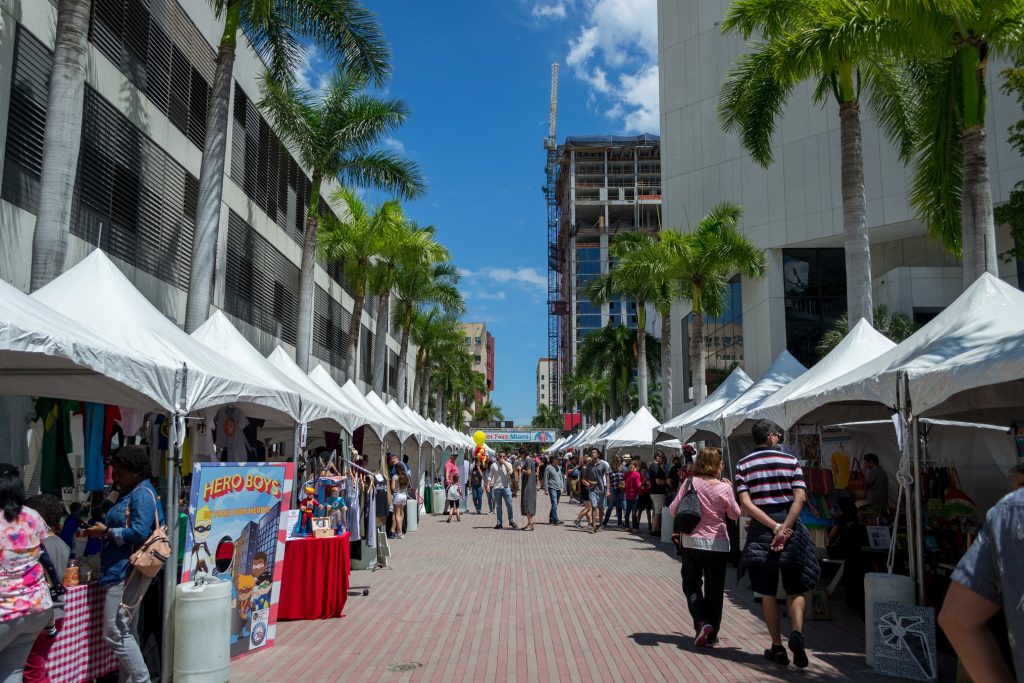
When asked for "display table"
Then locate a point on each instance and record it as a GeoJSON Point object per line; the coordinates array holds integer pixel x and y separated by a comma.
{"type": "Point", "coordinates": [316, 576]}
{"type": "Point", "coordinates": [80, 653]}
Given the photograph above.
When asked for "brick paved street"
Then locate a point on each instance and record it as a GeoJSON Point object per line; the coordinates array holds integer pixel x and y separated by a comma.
{"type": "Point", "coordinates": [467, 603]}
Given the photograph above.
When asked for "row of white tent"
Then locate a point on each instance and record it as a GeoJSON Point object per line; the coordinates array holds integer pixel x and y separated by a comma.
{"type": "Point", "coordinates": [632, 430]}
{"type": "Point", "coordinates": [91, 335]}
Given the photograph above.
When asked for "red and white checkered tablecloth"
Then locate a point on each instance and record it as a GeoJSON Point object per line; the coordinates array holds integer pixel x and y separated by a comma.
{"type": "Point", "coordinates": [79, 653]}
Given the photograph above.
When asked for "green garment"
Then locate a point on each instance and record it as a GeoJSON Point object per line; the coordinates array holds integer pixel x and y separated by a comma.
{"type": "Point", "coordinates": [56, 470]}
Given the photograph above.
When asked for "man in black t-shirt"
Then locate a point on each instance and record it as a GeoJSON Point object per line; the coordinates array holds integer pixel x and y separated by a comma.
{"type": "Point", "coordinates": [659, 487]}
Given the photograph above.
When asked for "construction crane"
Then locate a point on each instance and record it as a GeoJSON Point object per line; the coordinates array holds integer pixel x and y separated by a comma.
{"type": "Point", "coordinates": [554, 261]}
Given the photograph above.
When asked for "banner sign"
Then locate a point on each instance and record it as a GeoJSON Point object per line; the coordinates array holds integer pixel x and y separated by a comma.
{"type": "Point", "coordinates": [235, 534]}
{"type": "Point", "coordinates": [520, 435]}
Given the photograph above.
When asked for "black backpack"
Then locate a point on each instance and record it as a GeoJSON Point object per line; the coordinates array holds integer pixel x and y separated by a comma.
{"type": "Point", "coordinates": [688, 512]}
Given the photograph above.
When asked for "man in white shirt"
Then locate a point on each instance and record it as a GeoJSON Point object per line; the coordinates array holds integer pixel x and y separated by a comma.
{"type": "Point", "coordinates": [498, 477]}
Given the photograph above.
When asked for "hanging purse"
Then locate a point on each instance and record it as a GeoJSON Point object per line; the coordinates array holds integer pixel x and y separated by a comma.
{"type": "Point", "coordinates": [152, 555]}
{"type": "Point", "coordinates": [857, 484]}
{"type": "Point", "coordinates": [688, 512]}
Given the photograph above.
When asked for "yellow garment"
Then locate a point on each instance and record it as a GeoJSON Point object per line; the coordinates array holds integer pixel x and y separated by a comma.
{"type": "Point", "coordinates": [841, 468]}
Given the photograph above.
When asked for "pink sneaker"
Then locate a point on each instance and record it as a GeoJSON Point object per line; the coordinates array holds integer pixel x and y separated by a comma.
{"type": "Point", "coordinates": [702, 636]}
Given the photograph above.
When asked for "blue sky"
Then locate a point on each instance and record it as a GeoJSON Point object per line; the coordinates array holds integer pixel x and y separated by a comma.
{"type": "Point", "coordinates": [475, 76]}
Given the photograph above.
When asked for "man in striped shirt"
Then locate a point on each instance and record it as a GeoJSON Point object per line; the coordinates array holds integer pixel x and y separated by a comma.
{"type": "Point", "coordinates": [771, 489]}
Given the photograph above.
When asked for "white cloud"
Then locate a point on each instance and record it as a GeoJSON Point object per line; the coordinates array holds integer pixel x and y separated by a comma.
{"type": "Point", "coordinates": [394, 145]}
{"type": "Point", "coordinates": [490, 296]}
{"type": "Point", "coordinates": [615, 52]}
{"type": "Point", "coordinates": [530, 278]}
{"type": "Point", "coordinates": [555, 10]}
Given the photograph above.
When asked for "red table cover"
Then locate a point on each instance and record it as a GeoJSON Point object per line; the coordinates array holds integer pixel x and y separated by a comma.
{"type": "Point", "coordinates": [316, 578]}
{"type": "Point", "coordinates": [79, 653]}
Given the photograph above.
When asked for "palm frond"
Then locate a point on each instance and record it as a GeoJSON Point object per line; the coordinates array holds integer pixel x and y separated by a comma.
{"type": "Point", "coordinates": [892, 99]}
{"type": "Point", "coordinates": [384, 170]}
{"type": "Point", "coordinates": [752, 100]}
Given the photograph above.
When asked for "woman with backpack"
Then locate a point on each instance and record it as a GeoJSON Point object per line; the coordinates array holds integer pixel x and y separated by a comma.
{"type": "Point", "coordinates": [706, 547]}
{"type": "Point", "coordinates": [126, 526]}
{"type": "Point", "coordinates": [25, 603]}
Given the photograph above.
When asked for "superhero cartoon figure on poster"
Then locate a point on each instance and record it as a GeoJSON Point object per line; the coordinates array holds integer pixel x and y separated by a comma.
{"type": "Point", "coordinates": [235, 534]}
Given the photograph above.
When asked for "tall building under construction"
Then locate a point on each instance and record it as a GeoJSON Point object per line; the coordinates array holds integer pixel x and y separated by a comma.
{"type": "Point", "coordinates": [602, 186]}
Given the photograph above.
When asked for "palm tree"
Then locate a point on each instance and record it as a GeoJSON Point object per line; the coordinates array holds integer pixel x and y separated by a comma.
{"type": "Point", "coordinates": [342, 30]}
{"type": "Point", "coordinates": [895, 326]}
{"type": "Point", "coordinates": [547, 417]}
{"type": "Point", "coordinates": [62, 140]}
{"type": "Point", "coordinates": [354, 241]}
{"type": "Point", "coordinates": [403, 244]}
{"type": "Point", "coordinates": [589, 392]}
{"type": "Point", "coordinates": [759, 85]}
{"type": "Point", "coordinates": [946, 46]}
{"type": "Point", "coordinates": [417, 285]}
{"type": "Point", "coordinates": [488, 412]}
{"type": "Point", "coordinates": [703, 261]}
{"type": "Point", "coordinates": [635, 275]}
{"type": "Point", "coordinates": [335, 137]}
{"type": "Point", "coordinates": [609, 352]}
{"type": "Point", "coordinates": [435, 333]}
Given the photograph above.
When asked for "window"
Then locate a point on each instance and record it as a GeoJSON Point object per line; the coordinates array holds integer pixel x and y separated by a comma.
{"type": "Point", "coordinates": [815, 289]}
{"type": "Point", "coordinates": [723, 337]}
{"type": "Point", "coordinates": [330, 329]}
{"type": "Point", "coordinates": [261, 286]}
{"type": "Point", "coordinates": [158, 48]}
{"type": "Point", "coordinates": [469, 340]}
{"type": "Point", "coordinates": [476, 340]}
{"type": "Point", "coordinates": [130, 198]}
{"type": "Point", "coordinates": [476, 358]}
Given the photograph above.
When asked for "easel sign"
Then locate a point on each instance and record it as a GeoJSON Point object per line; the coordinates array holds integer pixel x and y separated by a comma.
{"type": "Point", "coordinates": [879, 537]}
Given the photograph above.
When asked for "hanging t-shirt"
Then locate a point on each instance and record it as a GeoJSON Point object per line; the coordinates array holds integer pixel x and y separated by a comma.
{"type": "Point", "coordinates": [111, 417]}
{"type": "Point", "coordinates": [16, 413]}
{"type": "Point", "coordinates": [93, 453]}
{"type": "Point", "coordinates": [55, 470]}
{"type": "Point", "coordinates": [231, 424]}
{"type": "Point", "coordinates": [131, 420]}
{"type": "Point", "coordinates": [351, 493]}
{"type": "Point", "coordinates": [203, 448]}
{"type": "Point", "coordinates": [371, 522]}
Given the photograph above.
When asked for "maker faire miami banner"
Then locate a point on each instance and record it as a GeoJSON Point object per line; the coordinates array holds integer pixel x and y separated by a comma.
{"type": "Point", "coordinates": [234, 534]}
{"type": "Point", "coordinates": [541, 436]}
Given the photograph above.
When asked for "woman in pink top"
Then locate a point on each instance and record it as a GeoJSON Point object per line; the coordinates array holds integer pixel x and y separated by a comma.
{"type": "Point", "coordinates": [706, 550]}
{"type": "Point", "coordinates": [632, 482]}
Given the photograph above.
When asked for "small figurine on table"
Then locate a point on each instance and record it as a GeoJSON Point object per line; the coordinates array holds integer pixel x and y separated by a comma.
{"type": "Point", "coordinates": [307, 510]}
{"type": "Point", "coordinates": [336, 509]}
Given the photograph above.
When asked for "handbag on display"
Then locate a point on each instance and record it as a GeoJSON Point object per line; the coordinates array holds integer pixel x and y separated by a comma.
{"type": "Point", "coordinates": [857, 484]}
{"type": "Point", "coordinates": [153, 554]}
{"type": "Point", "coordinates": [688, 512]}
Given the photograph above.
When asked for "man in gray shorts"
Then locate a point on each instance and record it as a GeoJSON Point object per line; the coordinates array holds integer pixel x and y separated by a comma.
{"type": "Point", "coordinates": [595, 478]}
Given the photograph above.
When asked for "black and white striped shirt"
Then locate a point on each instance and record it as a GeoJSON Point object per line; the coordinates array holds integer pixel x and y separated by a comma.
{"type": "Point", "coordinates": [769, 477]}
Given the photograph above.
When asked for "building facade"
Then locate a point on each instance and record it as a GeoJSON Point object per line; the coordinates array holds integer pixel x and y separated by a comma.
{"type": "Point", "coordinates": [480, 344]}
{"type": "Point", "coordinates": [606, 185]}
{"type": "Point", "coordinates": [545, 366]}
{"type": "Point", "coordinates": [150, 67]}
{"type": "Point", "coordinates": [793, 209]}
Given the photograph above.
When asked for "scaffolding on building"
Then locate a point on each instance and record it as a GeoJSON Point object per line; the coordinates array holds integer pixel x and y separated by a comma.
{"type": "Point", "coordinates": [556, 305]}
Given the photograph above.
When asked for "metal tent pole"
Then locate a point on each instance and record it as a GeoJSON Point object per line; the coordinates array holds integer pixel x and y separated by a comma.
{"type": "Point", "coordinates": [171, 520]}
{"type": "Point", "coordinates": [918, 514]}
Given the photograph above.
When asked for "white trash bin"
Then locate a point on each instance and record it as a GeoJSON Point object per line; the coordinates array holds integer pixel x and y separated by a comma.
{"type": "Point", "coordinates": [412, 510]}
{"type": "Point", "coordinates": [202, 625]}
{"type": "Point", "coordinates": [666, 525]}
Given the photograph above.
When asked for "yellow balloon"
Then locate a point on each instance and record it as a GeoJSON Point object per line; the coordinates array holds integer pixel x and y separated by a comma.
{"type": "Point", "coordinates": [479, 437]}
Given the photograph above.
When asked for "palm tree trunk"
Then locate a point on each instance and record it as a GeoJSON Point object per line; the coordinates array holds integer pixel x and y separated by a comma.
{"type": "Point", "coordinates": [613, 391]}
{"type": "Point", "coordinates": [641, 354]}
{"type": "Point", "coordinates": [354, 330]}
{"type": "Point", "coordinates": [380, 349]}
{"type": "Point", "coordinates": [977, 222]}
{"type": "Point", "coordinates": [697, 358]}
{"type": "Point", "coordinates": [211, 177]}
{"type": "Point", "coordinates": [403, 366]}
{"type": "Point", "coordinates": [304, 342]}
{"type": "Point", "coordinates": [666, 365]}
{"type": "Point", "coordinates": [62, 140]}
{"type": "Point", "coordinates": [856, 242]}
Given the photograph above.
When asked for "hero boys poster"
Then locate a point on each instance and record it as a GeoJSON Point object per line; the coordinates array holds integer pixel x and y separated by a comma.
{"type": "Point", "coordinates": [234, 534]}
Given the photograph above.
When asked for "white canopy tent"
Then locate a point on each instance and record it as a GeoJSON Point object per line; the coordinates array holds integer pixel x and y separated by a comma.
{"type": "Point", "coordinates": [219, 334]}
{"type": "Point", "coordinates": [44, 353]}
{"type": "Point", "coordinates": [860, 346]}
{"type": "Point", "coordinates": [363, 414]}
{"type": "Point", "coordinates": [399, 424]}
{"type": "Point", "coordinates": [98, 297]}
{"type": "Point", "coordinates": [720, 424]}
{"type": "Point", "coordinates": [681, 426]}
{"type": "Point", "coordinates": [968, 361]}
{"type": "Point", "coordinates": [281, 360]}
{"type": "Point", "coordinates": [633, 431]}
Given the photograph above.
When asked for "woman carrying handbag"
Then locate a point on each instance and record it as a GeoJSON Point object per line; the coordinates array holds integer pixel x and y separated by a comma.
{"type": "Point", "coordinates": [129, 525]}
{"type": "Point", "coordinates": [706, 547]}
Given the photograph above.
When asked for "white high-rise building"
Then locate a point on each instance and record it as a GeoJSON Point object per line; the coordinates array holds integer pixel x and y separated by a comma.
{"type": "Point", "coordinates": [794, 208]}
{"type": "Point", "coordinates": [545, 366]}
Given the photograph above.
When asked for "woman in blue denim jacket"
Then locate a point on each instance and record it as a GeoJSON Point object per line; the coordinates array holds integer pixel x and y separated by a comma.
{"type": "Point", "coordinates": [127, 525]}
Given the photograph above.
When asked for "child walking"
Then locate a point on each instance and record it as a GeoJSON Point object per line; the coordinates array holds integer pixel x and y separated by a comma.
{"type": "Point", "coordinates": [454, 496]}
